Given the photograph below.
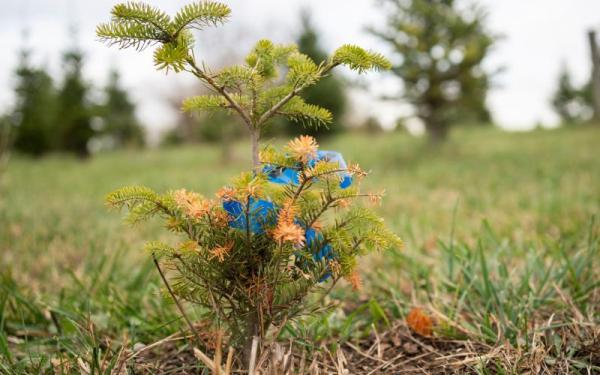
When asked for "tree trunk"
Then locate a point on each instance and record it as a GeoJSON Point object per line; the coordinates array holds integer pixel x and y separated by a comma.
{"type": "Point", "coordinates": [5, 142]}
{"type": "Point", "coordinates": [253, 321]}
{"type": "Point", "coordinates": [595, 79]}
{"type": "Point", "coordinates": [436, 130]}
{"type": "Point", "coordinates": [252, 330]}
{"type": "Point", "coordinates": [254, 135]}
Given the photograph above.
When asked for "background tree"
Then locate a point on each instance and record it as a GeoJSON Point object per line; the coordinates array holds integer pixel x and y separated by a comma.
{"type": "Point", "coordinates": [219, 127]}
{"type": "Point", "coordinates": [5, 142]}
{"type": "Point", "coordinates": [74, 109]}
{"type": "Point", "coordinates": [329, 93]}
{"type": "Point", "coordinates": [594, 89]}
{"type": "Point", "coordinates": [118, 112]}
{"type": "Point", "coordinates": [372, 126]}
{"type": "Point", "coordinates": [440, 48]}
{"type": "Point", "coordinates": [34, 112]}
{"type": "Point", "coordinates": [572, 104]}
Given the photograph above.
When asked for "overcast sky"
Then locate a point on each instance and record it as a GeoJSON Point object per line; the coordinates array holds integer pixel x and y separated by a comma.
{"type": "Point", "coordinates": [539, 36]}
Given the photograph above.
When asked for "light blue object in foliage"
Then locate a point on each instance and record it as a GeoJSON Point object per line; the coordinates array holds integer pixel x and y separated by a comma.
{"type": "Point", "coordinates": [312, 237]}
{"type": "Point", "coordinates": [281, 175]}
{"type": "Point", "coordinates": [284, 175]}
{"type": "Point", "coordinates": [336, 157]}
{"type": "Point", "coordinates": [326, 252]}
{"type": "Point", "coordinates": [262, 213]}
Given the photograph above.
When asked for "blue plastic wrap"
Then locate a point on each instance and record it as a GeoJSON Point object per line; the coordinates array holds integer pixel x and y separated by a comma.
{"type": "Point", "coordinates": [262, 213]}
{"type": "Point", "coordinates": [283, 175]}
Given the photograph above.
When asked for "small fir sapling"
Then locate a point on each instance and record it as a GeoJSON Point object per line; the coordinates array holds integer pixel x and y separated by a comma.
{"type": "Point", "coordinates": [279, 232]}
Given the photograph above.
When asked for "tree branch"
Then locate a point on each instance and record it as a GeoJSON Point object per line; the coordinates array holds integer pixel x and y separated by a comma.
{"type": "Point", "coordinates": [273, 110]}
{"type": "Point", "coordinates": [181, 310]}
{"type": "Point", "coordinates": [235, 105]}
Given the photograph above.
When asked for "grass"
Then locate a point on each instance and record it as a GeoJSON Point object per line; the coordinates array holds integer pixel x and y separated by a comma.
{"type": "Point", "coordinates": [502, 247]}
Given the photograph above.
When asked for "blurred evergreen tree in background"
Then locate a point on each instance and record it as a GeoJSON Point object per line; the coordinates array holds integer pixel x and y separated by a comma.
{"type": "Point", "coordinates": [35, 109]}
{"type": "Point", "coordinates": [329, 93]}
{"type": "Point", "coordinates": [371, 126]}
{"type": "Point", "coordinates": [46, 118]}
{"type": "Point", "coordinates": [440, 49]}
{"type": "Point", "coordinates": [190, 128]}
{"type": "Point", "coordinates": [5, 142]}
{"type": "Point", "coordinates": [75, 111]}
{"type": "Point", "coordinates": [572, 104]}
{"type": "Point", "coordinates": [119, 123]}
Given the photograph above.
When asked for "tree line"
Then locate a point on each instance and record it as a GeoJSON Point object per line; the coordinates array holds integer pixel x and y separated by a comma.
{"type": "Point", "coordinates": [438, 49]}
{"type": "Point", "coordinates": [63, 116]}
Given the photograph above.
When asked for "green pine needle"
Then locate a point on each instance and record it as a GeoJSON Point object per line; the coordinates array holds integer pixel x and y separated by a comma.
{"type": "Point", "coordinates": [359, 59]}
{"type": "Point", "coordinates": [141, 13]}
{"type": "Point", "coordinates": [303, 71]}
{"type": "Point", "coordinates": [126, 34]}
{"type": "Point", "coordinates": [200, 15]}
{"type": "Point", "coordinates": [307, 114]}
{"type": "Point", "coordinates": [159, 248]}
{"type": "Point", "coordinates": [204, 103]}
{"type": "Point", "coordinates": [128, 194]}
{"type": "Point", "coordinates": [174, 55]}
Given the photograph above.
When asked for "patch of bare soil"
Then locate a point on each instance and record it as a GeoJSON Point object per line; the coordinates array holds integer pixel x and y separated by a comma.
{"type": "Point", "coordinates": [396, 351]}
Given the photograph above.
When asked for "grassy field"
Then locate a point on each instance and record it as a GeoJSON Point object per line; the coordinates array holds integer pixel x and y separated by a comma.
{"type": "Point", "coordinates": [501, 232]}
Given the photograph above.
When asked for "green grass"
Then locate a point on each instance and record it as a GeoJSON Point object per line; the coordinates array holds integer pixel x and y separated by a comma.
{"type": "Point", "coordinates": [502, 245]}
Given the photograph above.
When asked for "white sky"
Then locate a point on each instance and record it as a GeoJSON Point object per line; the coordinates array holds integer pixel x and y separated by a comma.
{"type": "Point", "coordinates": [539, 36]}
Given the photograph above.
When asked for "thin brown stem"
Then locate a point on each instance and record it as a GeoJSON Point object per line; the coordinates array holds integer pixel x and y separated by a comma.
{"type": "Point", "coordinates": [254, 136]}
{"type": "Point", "coordinates": [329, 203]}
{"type": "Point", "coordinates": [252, 331]}
{"type": "Point", "coordinates": [273, 110]}
{"type": "Point", "coordinates": [181, 310]}
{"type": "Point", "coordinates": [208, 79]}
{"type": "Point", "coordinates": [306, 180]}
{"type": "Point", "coordinates": [321, 301]}
{"type": "Point", "coordinates": [317, 216]}
{"type": "Point", "coordinates": [250, 124]}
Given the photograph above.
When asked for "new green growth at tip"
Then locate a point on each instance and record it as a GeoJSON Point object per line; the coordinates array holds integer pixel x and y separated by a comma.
{"type": "Point", "coordinates": [253, 90]}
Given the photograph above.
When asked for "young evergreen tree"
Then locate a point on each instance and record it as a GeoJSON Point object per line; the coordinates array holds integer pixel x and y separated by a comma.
{"type": "Point", "coordinates": [75, 112]}
{"type": "Point", "coordinates": [34, 112]}
{"type": "Point", "coordinates": [251, 257]}
{"type": "Point", "coordinates": [118, 113]}
{"type": "Point", "coordinates": [440, 48]}
{"type": "Point", "coordinates": [572, 104]}
{"type": "Point", "coordinates": [329, 93]}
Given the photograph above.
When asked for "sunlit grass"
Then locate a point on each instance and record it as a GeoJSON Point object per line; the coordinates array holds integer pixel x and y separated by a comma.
{"type": "Point", "coordinates": [499, 231]}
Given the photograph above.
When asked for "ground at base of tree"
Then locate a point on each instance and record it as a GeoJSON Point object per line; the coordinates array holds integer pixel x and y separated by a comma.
{"type": "Point", "coordinates": [396, 350]}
